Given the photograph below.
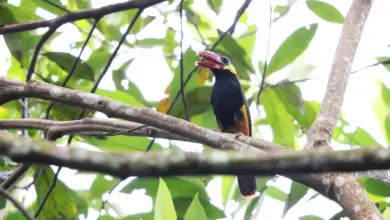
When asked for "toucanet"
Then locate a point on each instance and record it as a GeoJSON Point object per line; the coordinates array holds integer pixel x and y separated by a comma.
{"type": "Point", "coordinates": [229, 105]}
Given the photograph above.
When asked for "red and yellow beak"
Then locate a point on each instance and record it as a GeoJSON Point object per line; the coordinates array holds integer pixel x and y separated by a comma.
{"type": "Point", "coordinates": [210, 60]}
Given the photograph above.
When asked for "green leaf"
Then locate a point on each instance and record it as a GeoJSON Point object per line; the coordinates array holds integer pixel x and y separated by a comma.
{"type": "Point", "coordinates": [178, 186]}
{"type": "Point", "coordinates": [237, 55]}
{"type": "Point", "coordinates": [276, 193]}
{"type": "Point", "coordinates": [120, 96]}
{"type": "Point", "coordinates": [198, 101]}
{"type": "Point", "coordinates": [251, 207]}
{"type": "Point", "coordinates": [143, 216]}
{"type": "Point", "coordinates": [377, 187]}
{"type": "Point", "coordinates": [149, 42]}
{"type": "Point", "coordinates": [101, 185]}
{"type": "Point", "coordinates": [15, 216]}
{"type": "Point", "coordinates": [386, 213]}
{"type": "Point", "coordinates": [215, 5]}
{"type": "Point", "coordinates": [62, 201]}
{"type": "Point", "coordinates": [385, 61]}
{"type": "Point", "coordinates": [325, 11]}
{"type": "Point", "coordinates": [189, 59]}
{"type": "Point", "coordinates": [297, 192]}
{"type": "Point", "coordinates": [247, 42]}
{"type": "Point", "coordinates": [65, 61]}
{"type": "Point", "coordinates": [98, 58]}
{"type": "Point", "coordinates": [291, 48]}
{"type": "Point", "coordinates": [164, 208]}
{"type": "Point", "coordinates": [121, 143]}
{"type": "Point", "coordinates": [359, 137]}
{"type": "Point", "coordinates": [310, 217]}
{"type": "Point", "coordinates": [279, 119]}
{"type": "Point", "coordinates": [303, 111]}
{"type": "Point", "coordinates": [182, 189]}
{"type": "Point", "coordinates": [227, 182]}
{"type": "Point", "coordinates": [195, 211]}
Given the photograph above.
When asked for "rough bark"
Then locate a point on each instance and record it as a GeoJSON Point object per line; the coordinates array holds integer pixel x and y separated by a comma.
{"type": "Point", "coordinates": [347, 190]}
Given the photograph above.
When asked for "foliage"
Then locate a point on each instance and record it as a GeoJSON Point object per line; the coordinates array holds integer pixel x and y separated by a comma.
{"type": "Point", "coordinates": [286, 111]}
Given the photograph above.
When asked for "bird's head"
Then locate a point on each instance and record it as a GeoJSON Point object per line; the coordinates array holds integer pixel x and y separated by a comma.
{"type": "Point", "coordinates": [216, 63]}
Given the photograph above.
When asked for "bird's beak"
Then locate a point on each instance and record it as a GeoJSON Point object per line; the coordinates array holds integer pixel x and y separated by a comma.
{"type": "Point", "coordinates": [210, 60]}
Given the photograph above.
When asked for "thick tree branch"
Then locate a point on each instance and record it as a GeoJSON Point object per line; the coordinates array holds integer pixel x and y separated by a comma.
{"type": "Point", "coordinates": [177, 162]}
{"type": "Point", "coordinates": [347, 190]}
{"type": "Point", "coordinates": [320, 133]}
{"type": "Point", "coordinates": [10, 90]}
{"type": "Point", "coordinates": [81, 14]}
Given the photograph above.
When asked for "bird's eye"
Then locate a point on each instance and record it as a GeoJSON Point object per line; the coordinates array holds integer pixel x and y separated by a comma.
{"type": "Point", "coordinates": [225, 61]}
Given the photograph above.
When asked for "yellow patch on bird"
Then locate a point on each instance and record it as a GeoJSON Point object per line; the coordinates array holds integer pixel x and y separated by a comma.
{"type": "Point", "coordinates": [203, 75]}
{"type": "Point", "coordinates": [232, 69]}
{"type": "Point", "coordinates": [163, 105]}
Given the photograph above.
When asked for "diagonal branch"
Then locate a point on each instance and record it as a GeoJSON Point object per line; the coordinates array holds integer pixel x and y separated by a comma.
{"type": "Point", "coordinates": [16, 203]}
{"type": "Point", "coordinates": [81, 14]}
{"type": "Point", "coordinates": [321, 131]}
{"type": "Point", "coordinates": [347, 190]}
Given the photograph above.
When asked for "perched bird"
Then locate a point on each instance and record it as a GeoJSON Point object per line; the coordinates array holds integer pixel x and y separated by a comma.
{"type": "Point", "coordinates": [229, 105]}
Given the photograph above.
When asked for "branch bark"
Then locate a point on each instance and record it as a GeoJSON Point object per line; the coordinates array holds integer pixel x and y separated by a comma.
{"type": "Point", "coordinates": [177, 162]}
{"type": "Point", "coordinates": [347, 190]}
{"type": "Point", "coordinates": [80, 14]}
{"type": "Point", "coordinates": [11, 90]}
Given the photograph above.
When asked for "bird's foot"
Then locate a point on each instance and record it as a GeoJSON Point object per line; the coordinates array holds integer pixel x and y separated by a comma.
{"type": "Point", "coordinates": [237, 135]}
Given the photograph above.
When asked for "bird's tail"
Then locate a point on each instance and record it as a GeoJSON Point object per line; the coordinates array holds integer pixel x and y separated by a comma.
{"type": "Point", "coordinates": [247, 185]}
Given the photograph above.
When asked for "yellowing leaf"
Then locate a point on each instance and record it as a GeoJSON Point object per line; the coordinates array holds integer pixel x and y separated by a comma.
{"type": "Point", "coordinates": [163, 105]}
{"type": "Point", "coordinates": [203, 75]}
{"type": "Point", "coordinates": [4, 114]}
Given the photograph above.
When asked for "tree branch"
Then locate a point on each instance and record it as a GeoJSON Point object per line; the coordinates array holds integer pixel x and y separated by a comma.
{"type": "Point", "coordinates": [177, 162]}
{"type": "Point", "coordinates": [347, 190]}
{"type": "Point", "coordinates": [320, 133]}
{"type": "Point", "coordinates": [81, 14]}
{"type": "Point", "coordinates": [16, 204]}
{"type": "Point", "coordinates": [10, 89]}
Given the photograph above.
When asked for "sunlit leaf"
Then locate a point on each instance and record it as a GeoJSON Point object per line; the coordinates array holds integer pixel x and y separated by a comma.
{"type": "Point", "coordinates": [291, 48]}
{"type": "Point", "coordinates": [377, 187]}
{"type": "Point", "coordinates": [101, 185]}
{"type": "Point", "coordinates": [310, 217]}
{"type": "Point", "coordinates": [62, 201]}
{"type": "Point", "coordinates": [279, 119]}
{"type": "Point", "coordinates": [198, 101]}
{"type": "Point", "coordinates": [215, 5]}
{"type": "Point", "coordinates": [275, 193]}
{"type": "Point", "coordinates": [164, 208]}
{"type": "Point", "coordinates": [325, 11]}
{"type": "Point", "coordinates": [195, 211]}
{"type": "Point", "coordinates": [121, 143]}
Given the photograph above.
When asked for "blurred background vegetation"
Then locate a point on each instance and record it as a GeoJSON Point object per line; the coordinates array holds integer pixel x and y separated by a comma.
{"type": "Point", "coordinates": [145, 73]}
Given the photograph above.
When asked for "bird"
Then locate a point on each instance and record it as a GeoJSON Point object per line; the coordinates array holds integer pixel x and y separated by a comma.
{"type": "Point", "coordinates": [229, 106]}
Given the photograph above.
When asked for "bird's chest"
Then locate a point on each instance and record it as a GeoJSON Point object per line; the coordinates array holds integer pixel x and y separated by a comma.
{"type": "Point", "coordinates": [226, 100]}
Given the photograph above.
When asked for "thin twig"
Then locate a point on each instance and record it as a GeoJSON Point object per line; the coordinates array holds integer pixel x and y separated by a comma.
{"type": "Point", "coordinates": [57, 6]}
{"type": "Point", "coordinates": [186, 115]}
{"type": "Point", "coordinates": [16, 203]}
{"type": "Point", "coordinates": [261, 86]}
{"type": "Point", "coordinates": [79, 15]}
